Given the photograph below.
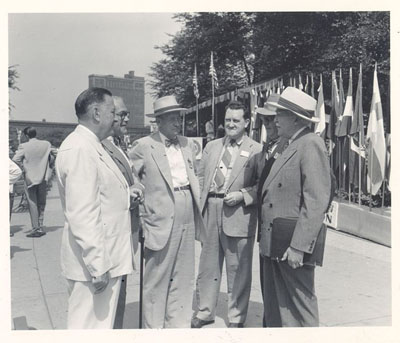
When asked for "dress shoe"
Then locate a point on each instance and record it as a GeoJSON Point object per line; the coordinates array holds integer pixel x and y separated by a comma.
{"type": "Point", "coordinates": [235, 325]}
{"type": "Point", "coordinates": [198, 323]}
{"type": "Point", "coordinates": [36, 233]}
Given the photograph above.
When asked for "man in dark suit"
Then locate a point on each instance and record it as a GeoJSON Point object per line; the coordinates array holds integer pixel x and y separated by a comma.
{"type": "Point", "coordinates": [297, 187]}
{"type": "Point", "coordinates": [164, 162]}
{"type": "Point", "coordinates": [112, 145]}
{"type": "Point", "coordinates": [34, 158]}
{"type": "Point", "coordinates": [228, 176]}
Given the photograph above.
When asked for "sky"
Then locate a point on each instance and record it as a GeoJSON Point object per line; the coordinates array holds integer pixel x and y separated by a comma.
{"type": "Point", "coordinates": [55, 53]}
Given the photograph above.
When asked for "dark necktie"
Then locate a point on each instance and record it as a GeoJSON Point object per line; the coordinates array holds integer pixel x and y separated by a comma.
{"type": "Point", "coordinates": [169, 142]}
{"type": "Point", "coordinates": [219, 178]}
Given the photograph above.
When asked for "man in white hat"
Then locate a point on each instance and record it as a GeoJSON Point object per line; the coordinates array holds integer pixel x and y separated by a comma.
{"type": "Point", "coordinates": [294, 199]}
{"type": "Point", "coordinates": [164, 163]}
{"type": "Point", "coordinates": [228, 175]}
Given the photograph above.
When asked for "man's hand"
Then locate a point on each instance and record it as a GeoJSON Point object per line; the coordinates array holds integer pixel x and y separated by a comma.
{"type": "Point", "coordinates": [100, 283]}
{"type": "Point", "coordinates": [233, 198]}
{"type": "Point", "coordinates": [294, 257]}
{"type": "Point", "coordinates": [136, 196]}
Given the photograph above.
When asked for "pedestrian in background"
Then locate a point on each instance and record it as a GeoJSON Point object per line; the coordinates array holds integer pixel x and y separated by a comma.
{"type": "Point", "coordinates": [34, 157]}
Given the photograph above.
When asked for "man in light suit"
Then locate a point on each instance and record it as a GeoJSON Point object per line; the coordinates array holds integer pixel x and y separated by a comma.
{"type": "Point", "coordinates": [228, 176]}
{"type": "Point", "coordinates": [112, 145]}
{"type": "Point", "coordinates": [164, 162]}
{"type": "Point", "coordinates": [298, 186]}
{"type": "Point", "coordinates": [33, 157]}
{"type": "Point", "coordinates": [96, 242]}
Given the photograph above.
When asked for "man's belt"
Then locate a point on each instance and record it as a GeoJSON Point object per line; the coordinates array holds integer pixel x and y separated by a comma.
{"type": "Point", "coordinates": [182, 188]}
{"type": "Point", "coordinates": [215, 195]}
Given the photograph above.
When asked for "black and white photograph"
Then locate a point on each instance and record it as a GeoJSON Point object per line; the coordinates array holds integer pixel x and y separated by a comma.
{"type": "Point", "coordinates": [202, 169]}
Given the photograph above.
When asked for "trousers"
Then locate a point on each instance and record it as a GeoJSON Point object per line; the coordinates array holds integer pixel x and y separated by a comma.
{"type": "Point", "coordinates": [169, 272]}
{"type": "Point", "coordinates": [36, 197]}
{"type": "Point", "coordinates": [238, 255]}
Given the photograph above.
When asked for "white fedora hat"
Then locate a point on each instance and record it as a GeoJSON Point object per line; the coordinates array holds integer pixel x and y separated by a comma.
{"type": "Point", "coordinates": [166, 104]}
{"type": "Point", "coordinates": [295, 101]}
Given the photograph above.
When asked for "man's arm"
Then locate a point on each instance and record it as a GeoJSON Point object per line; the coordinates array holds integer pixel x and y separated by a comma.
{"type": "Point", "coordinates": [83, 208]}
{"type": "Point", "coordinates": [19, 156]}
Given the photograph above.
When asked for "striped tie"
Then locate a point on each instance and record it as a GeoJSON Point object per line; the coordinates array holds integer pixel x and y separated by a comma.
{"type": "Point", "coordinates": [223, 168]}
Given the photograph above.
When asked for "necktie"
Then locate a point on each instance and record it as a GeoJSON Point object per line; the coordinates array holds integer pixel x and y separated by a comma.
{"type": "Point", "coordinates": [169, 142]}
{"type": "Point", "coordinates": [219, 178]}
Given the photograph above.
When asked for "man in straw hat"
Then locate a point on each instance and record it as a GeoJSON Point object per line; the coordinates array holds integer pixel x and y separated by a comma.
{"type": "Point", "coordinates": [294, 198]}
{"type": "Point", "coordinates": [164, 163]}
{"type": "Point", "coordinates": [228, 176]}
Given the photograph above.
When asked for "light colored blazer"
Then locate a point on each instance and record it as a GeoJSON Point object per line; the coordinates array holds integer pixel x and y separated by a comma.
{"type": "Point", "coordinates": [34, 157]}
{"type": "Point", "coordinates": [151, 166]}
{"type": "Point", "coordinates": [298, 186]}
{"type": "Point", "coordinates": [239, 220]}
{"type": "Point", "coordinates": [95, 199]}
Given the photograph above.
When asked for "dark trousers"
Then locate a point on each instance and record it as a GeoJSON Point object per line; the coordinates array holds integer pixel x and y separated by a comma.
{"type": "Point", "coordinates": [36, 197]}
{"type": "Point", "coordinates": [288, 294]}
{"type": "Point", "coordinates": [119, 314]}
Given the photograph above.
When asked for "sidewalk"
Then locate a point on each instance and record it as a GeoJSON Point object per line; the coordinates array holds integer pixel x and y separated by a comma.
{"type": "Point", "coordinates": [353, 287]}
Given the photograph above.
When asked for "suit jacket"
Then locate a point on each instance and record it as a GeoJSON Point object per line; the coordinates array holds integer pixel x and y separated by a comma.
{"type": "Point", "coordinates": [151, 166]}
{"type": "Point", "coordinates": [34, 157]}
{"type": "Point", "coordinates": [95, 199]}
{"type": "Point", "coordinates": [239, 220]}
{"type": "Point", "coordinates": [121, 160]}
{"type": "Point", "coordinates": [298, 186]}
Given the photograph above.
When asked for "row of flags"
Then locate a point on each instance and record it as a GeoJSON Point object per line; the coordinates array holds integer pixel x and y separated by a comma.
{"type": "Point", "coordinates": [345, 132]}
{"type": "Point", "coordinates": [343, 126]}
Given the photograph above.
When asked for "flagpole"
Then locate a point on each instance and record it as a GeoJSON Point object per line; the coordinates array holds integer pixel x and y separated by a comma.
{"type": "Point", "coordinates": [183, 125]}
{"type": "Point", "coordinates": [340, 168]}
{"type": "Point", "coordinates": [197, 117]}
{"type": "Point", "coordinates": [359, 170]}
{"type": "Point", "coordinates": [348, 167]}
{"type": "Point", "coordinates": [212, 105]}
{"type": "Point", "coordinates": [383, 194]}
{"type": "Point", "coordinates": [371, 160]}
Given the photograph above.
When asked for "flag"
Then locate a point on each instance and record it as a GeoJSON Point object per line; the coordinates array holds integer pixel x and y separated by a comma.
{"type": "Point", "coordinates": [300, 83]}
{"type": "Point", "coordinates": [213, 72]}
{"type": "Point", "coordinates": [195, 86]}
{"type": "Point", "coordinates": [357, 141]}
{"type": "Point", "coordinates": [376, 140]}
{"type": "Point", "coordinates": [320, 112]}
{"type": "Point", "coordinates": [330, 134]}
{"type": "Point", "coordinates": [344, 125]}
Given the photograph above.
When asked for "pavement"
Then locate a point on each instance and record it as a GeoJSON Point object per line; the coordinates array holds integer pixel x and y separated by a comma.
{"type": "Point", "coordinates": [353, 286]}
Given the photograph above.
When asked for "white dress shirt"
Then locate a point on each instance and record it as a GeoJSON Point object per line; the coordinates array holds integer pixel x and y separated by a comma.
{"type": "Point", "coordinates": [176, 163]}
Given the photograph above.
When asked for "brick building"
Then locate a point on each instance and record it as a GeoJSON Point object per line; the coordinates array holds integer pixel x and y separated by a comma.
{"type": "Point", "coordinates": [130, 88]}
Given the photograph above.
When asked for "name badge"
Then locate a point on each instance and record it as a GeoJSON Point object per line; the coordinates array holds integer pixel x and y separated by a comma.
{"type": "Point", "coordinates": [244, 153]}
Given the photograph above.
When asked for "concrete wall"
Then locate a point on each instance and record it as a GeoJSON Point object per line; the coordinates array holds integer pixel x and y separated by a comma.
{"type": "Point", "coordinates": [359, 221]}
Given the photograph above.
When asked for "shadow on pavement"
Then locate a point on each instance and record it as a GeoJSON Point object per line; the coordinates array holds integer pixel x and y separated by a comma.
{"type": "Point", "coordinates": [14, 249]}
{"type": "Point", "coordinates": [52, 228]}
{"type": "Point", "coordinates": [16, 228]}
{"type": "Point", "coordinates": [255, 311]}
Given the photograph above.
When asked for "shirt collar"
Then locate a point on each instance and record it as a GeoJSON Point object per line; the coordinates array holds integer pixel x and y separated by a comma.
{"type": "Point", "coordinates": [163, 137]}
{"type": "Point", "coordinates": [83, 127]}
{"type": "Point", "coordinates": [291, 139]}
{"type": "Point", "coordinates": [238, 142]}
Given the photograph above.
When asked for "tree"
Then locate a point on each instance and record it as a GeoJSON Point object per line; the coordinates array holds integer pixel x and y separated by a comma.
{"type": "Point", "coordinates": [12, 80]}
{"type": "Point", "coordinates": [251, 47]}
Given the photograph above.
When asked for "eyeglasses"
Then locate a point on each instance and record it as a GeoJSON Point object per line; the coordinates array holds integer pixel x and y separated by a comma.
{"type": "Point", "coordinates": [122, 115]}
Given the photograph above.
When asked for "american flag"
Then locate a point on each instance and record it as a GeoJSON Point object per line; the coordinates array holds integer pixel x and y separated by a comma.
{"type": "Point", "coordinates": [213, 72]}
{"type": "Point", "coordinates": [195, 86]}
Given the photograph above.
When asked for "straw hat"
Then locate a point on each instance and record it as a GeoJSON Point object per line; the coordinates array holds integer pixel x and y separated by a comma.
{"type": "Point", "coordinates": [295, 101]}
{"type": "Point", "coordinates": [166, 104]}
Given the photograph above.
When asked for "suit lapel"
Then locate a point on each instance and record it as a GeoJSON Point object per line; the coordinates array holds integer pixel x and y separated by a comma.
{"type": "Point", "coordinates": [214, 159]}
{"type": "Point", "coordinates": [244, 154]}
{"type": "Point", "coordinates": [161, 160]}
{"type": "Point", "coordinates": [116, 154]}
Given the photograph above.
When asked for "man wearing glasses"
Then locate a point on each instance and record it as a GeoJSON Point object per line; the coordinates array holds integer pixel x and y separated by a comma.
{"type": "Point", "coordinates": [112, 145]}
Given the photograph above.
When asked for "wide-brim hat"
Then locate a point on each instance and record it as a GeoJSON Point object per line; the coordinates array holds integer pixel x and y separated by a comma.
{"type": "Point", "coordinates": [265, 111]}
{"type": "Point", "coordinates": [295, 101]}
{"type": "Point", "coordinates": [166, 104]}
